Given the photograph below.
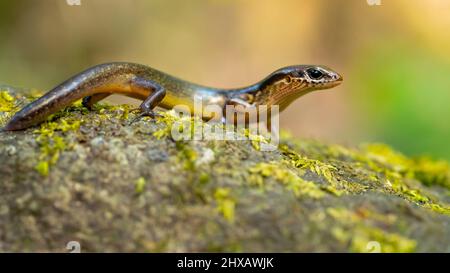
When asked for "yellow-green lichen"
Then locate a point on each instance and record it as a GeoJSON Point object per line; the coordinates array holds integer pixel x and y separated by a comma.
{"type": "Point", "coordinates": [425, 170]}
{"type": "Point", "coordinates": [374, 167]}
{"type": "Point", "coordinates": [325, 170]}
{"type": "Point", "coordinates": [388, 242]}
{"type": "Point", "coordinates": [359, 231]}
{"type": "Point", "coordinates": [42, 168]}
{"type": "Point", "coordinates": [320, 168]}
{"type": "Point", "coordinates": [169, 119]}
{"type": "Point", "coordinates": [390, 169]}
{"type": "Point", "coordinates": [383, 154]}
{"type": "Point", "coordinates": [7, 106]}
{"type": "Point", "coordinates": [52, 141]}
{"type": "Point", "coordinates": [107, 112]}
{"type": "Point", "coordinates": [431, 172]}
{"type": "Point", "coordinates": [197, 129]}
{"type": "Point", "coordinates": [286, 177]}
{"type": "Point", "coordinates": [256, 140]}
{"type": "Point", "coordinates": [401, 188]}
{"type": "Point", "coordinates": [52, 134]}
{"type": "Point", "coordinates": [225, 203]}
{"type": "Point", "coordinates": [6, 101]}
{"type": "Point", "coordinates": [186, 155]}
{"type": "Point", "coordinates": [204, 178]}
{"type": "Point", "coordinates": [139, 185]}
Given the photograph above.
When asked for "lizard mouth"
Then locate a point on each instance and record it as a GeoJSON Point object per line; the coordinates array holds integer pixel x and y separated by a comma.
{"type": "Point", "coordinates": [336, 79]}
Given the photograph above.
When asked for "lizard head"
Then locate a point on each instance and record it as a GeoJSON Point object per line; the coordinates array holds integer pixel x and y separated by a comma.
{"type": "Point", "coordinates": [311, 77]}
{"type": "Point", "coordinates": [289, 83]}
{"type": "Point", "coordinates": [320, 77]}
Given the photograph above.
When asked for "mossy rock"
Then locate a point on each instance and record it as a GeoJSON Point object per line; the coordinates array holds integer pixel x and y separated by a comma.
{"type": "Point", "coordinates": [112, 185]}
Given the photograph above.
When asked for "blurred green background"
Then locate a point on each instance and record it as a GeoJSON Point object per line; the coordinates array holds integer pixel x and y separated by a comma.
{"type": "Point", "coordinates": [395, 57]}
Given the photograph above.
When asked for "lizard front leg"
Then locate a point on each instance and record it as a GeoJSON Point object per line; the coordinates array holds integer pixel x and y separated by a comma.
{"type": "Point", "coordinates": [157, 94]}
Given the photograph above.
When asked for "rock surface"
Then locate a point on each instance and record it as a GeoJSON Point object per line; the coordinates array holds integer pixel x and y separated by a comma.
{"type": "Point", "coordinates": [94, 178]}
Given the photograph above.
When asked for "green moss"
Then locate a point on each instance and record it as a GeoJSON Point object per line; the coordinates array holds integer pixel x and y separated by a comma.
{"type": "Point", "coordinates": [169, 118]}
{"type": "Point", "coordinates": [359, 231]}
{"type": "Point", "coordinates": [384, 155]}
{"type": "Point", "coordinates": [52, 141]}
{"type": "Point", "coordinates": [186, 155]}
{"type": "Point", "coordinates": [225, 203]}
{"type": "Point", "coordinates": [42, 168]}
{"type": "Point", "coordinates": [6, 102]}
{"type": "Point", "coordinates": [104, 112]}
{"type": "Point", "coordinates": [204, 178]}
{"type": "Point", "coordinates": [372, 167]}
{"type": "Point", "coordinates": [400, 187]}
{"type": "Point", "coordinates": [376, 165]}
{"type": "Point", "coordinates": [52, 134]}
{"type": "Point", "coordinates": [425, 170]}
{"type": "Point", "coordinates": [388, 242]}
{"type": "Point", "coordinates": [255, 140]}
{"type": "Point", "coordinates": [7, 106]}
{"type": "Point", "coordinates": [431, 172]}
{"type": "Point", "coordinates": [315, 166]}
{"type": "Point", "coordinates": [443, 209]}
{"type": "Point", "coordinates": [322, 169]}
{"type": "Point", "coordinates": [287, 178]}
{"type": "Point", "coordinates": [398, 169]}
{"type": "Point", "coordinates": [310, 195]}
{"type": "Point", "coordinates": [139, 185]}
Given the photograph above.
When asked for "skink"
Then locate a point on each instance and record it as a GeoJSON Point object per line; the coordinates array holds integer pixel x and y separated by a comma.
{"type": "Point", "coordinates": [156, 88]}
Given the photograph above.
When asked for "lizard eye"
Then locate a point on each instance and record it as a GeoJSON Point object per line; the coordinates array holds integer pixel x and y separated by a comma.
{"type": "Point", "coordinates": [314, 73]}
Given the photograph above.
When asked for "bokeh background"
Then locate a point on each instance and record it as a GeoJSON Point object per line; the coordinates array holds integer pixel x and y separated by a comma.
{"type": "Point", "coordinates": [395, 57]}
